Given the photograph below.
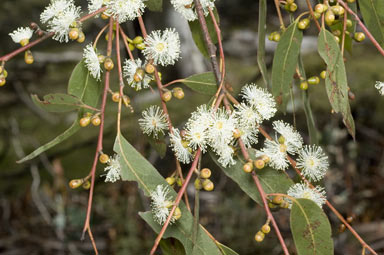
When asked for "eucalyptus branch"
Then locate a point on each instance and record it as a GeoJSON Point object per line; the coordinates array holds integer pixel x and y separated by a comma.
{"type": "Point", "coordinates": [313, 15]}
{"type": "Point", "coordinates": [100, 137]}
{"type": "Point", "coordinates": [126, 44]}
{"type": "Point", "coordinates": [277, 5]}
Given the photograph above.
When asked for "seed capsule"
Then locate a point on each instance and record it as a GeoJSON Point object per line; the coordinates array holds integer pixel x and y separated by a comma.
{"type": "Point", "coordinates": [265, 229]}
{"type": "Point", "coordinates": [104, 158]}
{"type": "Point", "coordinates": [85, 121]}
{"type": "Point", "coordinates": [259, 164]}
{"type": "Point", "coordinates": [74, 184]}
{"type": "Point", "coordinates": [177, 213]}
{"type": "Point", "coordinates": [149, 68]}
{"type": "Point", "coordinates": [208, 185]}
{"type": "Point", "coordinates": [198, 184]}
{"type": "Point", "coordinates": [140, 46]}
{"type": "Point", "coordinates": [2, 81]}
{"type": "Point", "coordinates": [205, 173]}
{"type": "Point", "coordinates": [276, 37]}
{"type": "Point", "coordinates": [170, 180]}
{"type": "Point", "coordinates": [131, 46]}
{"type": "Point", "coordinates": [178, 93]}
{"type": "Point", "coordinates": [304, 85]}
{"type": "Point", "coordinates": [96, 121]}
{"type": "Point", "coordinates": [338, 10]}
{"type": "Point", "coordinates": [248, 167]}
{"type": "Point", "coordinates": [74, 33]}
{"type": "Point", "coordinates": [28, 57]}
{"type": "Point", "coordinates": [320, 8]}
{"type": "Point", "coordinates": [314, 80]}
{"type": "Point", "coordinates": [167, 96]}
{"type": "Point", "coordinates": [259, 237]}
{"type": "Point", "coordinates": [277, 200]}
{"type": "Point", "coordinates": [292, 7]}
{"type": "Point", "coordinates": [359, 36]}
{"type": "Point", "coordinates": [116, 97]}
{"type": "Point", "coordinates": [86, 185]}
{"type": "Point", "coordinates": [349, 23]}
{"type": "Point", "coordinates": [323, 74]}
{"type": "Point", "coordinates": [138, 40]}
{"type": "Point", "coordinates": [81, 37]}
{"type": "Point", "coordinates": [108, 64]}
{"type": "Point", "coordinates": [329, 17]}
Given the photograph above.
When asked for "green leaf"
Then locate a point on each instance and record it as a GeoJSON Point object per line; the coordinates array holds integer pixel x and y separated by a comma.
{"type": "Point", "coordinates": [171, 246]}
{"type": "Point", "coordinates": [158, 144]}
{"type": "Point", "coordinates": [373, 16]}
{"type": "Point", "coordinates": [261, 36]}
{"type": "Point", "coordinates": [310, 228]}
{"type": "Point", "coordinates": [226, 250]}
{"type": "Point", "coordinates": [82, 86]}
{"type": "Point", "coordinates": [154, 5]}
{"type": "Point", "coordinates": [134, 167]}
{"type": "Point", "coordinates": [336, 80]}
{"type": "Point", "coordinates": [198, 36]}
{"type": "Point", "coordinates": [58, 102]}
{"type": "Point", "coordinates": [204, 83]}
{"type": "Point", "coordinates": [272, 181]}
{"type": "Point", "coordinates": [285, 62]}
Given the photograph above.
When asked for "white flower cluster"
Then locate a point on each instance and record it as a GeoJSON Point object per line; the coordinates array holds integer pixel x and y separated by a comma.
{"type": "Point", "coordinates": [187, 8]}
{"type": "Point", "coordinates": [60, 16]}
{"type": "Point", "coordinates": [302, 190]}
{"type": "Point", "coordinates": [380, 87]}
{"type": "Point", "coordinates": [114, 169]}
{"type": "Point", "coordinates": [91, 61]}
{"type": "Point", "coordinates": [154, 121]}
{"type": "Point", "coordinates": [219, 129]}
{"type": "Point", "coordinates": [20, 34]}
{"type": "Point", "coordinates": [161, 204]}
{"type": "Point", "coordinates": [136, 75]}
{"type": "Point", "coordinates": [124, 10]}
{"type": "Point", "coordinates": [94, 5]}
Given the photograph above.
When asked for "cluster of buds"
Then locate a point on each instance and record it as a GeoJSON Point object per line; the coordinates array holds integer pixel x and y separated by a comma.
{"type": "Point", "coordinates": [259, 163]}
{"type": "Point", "coordinates": [203, 181]}
{"type": "Point", "coordinates": [265, 229]}
{"type": "Point", "coordinates": [176, 92]}
{"type": "Point", "coordinates": [90, 118]}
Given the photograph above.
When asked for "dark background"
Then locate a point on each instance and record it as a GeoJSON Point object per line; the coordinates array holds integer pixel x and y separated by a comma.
{"type": "Point", "coordinates": [39, 214]}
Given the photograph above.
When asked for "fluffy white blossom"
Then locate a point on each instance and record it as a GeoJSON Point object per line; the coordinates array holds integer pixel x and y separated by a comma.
{"type": "Point", "coordinates": [63, 22]}
{"type": "Point", "coordinates": [161, 204]}
{"type": "Point", "coordinates": [55, 8]}
{"type": "Point", "coordinates": [196, 129]}
{"type": "Point", "coordinates": [247, 115]}
{"type": "Point", "coordinates": [221, 129]}
{"type": "Point", "coordinates": [124, 10]}
{"type": "Point", "coordinates": [154, 121]}
{"type": "Point", "coordinates": [162, 47]}
{"type": "Point", "coordinates": [313, 162]}
{"type": "Point", "coordinates": [91, 61]}
{"type": "Point", "coordinates": [248, 135]}
{"type": "Point", "coordinates": [380, 87]}
{"type": "Point", "coordinates": [290, 137]}
{"type": "Point", "coordinates": [207, 4]}
{"type": "Point", "coordinates": [130, 70]}
{"type": "Point", "coordinates": [260, 99]}
{"type": "Point", "coordinates": [277, 153]}
{"type": "Point", "coordinates": [185, 8]}
{"type": "Point", "coordinates": [225, 153]}
{"type": "Point", "coordinates": [180, 147]}
{"type": "Point", "coordinates": [113, 168]}
{"type": "Point", "coordinates": [20, 34]}
{"type": "Point", "coordinates": [94, 5]}
{"type": "Point", "coordinates": [302, 190]}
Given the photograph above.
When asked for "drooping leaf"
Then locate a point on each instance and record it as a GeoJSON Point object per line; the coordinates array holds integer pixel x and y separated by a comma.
{"type": "Point", "coordinates": [336, 80]}
{"type": "Point", "coordinates": [310, 228]}
{"type": "Point", "coordinates": [154, 5]}
{"type": "Point", "coordinates": [373, 16]}
{"type": "Point", "coordinates": [262, 27]}
{"type": "Point", "coordinates": [58, 102]}
{"type": "Point", "coordinates": [285, 62]}
{"type": "Point", "coordinates": [171, 246]}
{"type": "Point", "coordinates": [134, 167]}
{"type": "Point", "coordinates": [197, 33]}
{"type": "Point", "coordinates": [226, 250]}
{"type": "Point", "coordinates": [82, 86]}
{"type": "Point", "coordinates": [272, 181]}
{"type": "Point", "coordinates": [204, 83]}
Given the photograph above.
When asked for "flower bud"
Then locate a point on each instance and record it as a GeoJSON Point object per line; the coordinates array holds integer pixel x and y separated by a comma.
{"type": "Point", "coordinates": [74, 184]}
{"type": "Point", "coordinates": [205, 173]}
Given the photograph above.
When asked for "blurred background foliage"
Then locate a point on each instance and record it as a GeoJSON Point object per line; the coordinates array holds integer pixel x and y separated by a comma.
{"type": "Point", "coordinates": [39, 213]}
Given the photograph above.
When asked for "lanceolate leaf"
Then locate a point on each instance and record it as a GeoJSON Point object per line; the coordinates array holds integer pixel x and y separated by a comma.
{"type": "Point", "coordinates": [197, 33]}
{"type": "Point", "coordinates": [134, 167]}
{"type": "Point", "coordinates": [155, 5]}
{"type": "Point", "coordinates": [373, 15]}
{"type": "Point", "coordinates": [336, 80]}
{"type": "Point", "coordinates": [262, 27]}
{"type": "Point", "coordinates": [285, 62]}
{"type": "Point", "coordinates": [204, 83]}
{"type": "Point", "coordinates": [310, 228]}
{"type": "Point", "coordinates": [171, 246]}
{"type": "Point", "coordinates": [58, 102]}
{"type": "Point", "coordinates": [226, 250]}
{"type": "Point", "coordinates": [272, 181]}
{"type": "Point", "coordinates": [82, 86]}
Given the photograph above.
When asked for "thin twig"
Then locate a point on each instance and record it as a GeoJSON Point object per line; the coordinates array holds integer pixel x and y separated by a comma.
{"type": "Point", "coordinates": [277, 5]}
{"type": "Point", "coordinates": [313, 15]}
{"type": "Point", "coordinates": [126, 44]}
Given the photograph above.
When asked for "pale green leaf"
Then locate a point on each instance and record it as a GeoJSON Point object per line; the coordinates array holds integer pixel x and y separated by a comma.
{"type": "Point", "coordinates": [285, 62]}
{"type": "Point", "coordinates": [204, 83]}
{"type": "Point", "coordinates": [373, 16]}
{"type": "Point", "coordinates": [154, 5]}
{"type": "Point", "coordinates": [310, 228]}
{"type": "Point", "coordinates": [58, 102]}
{"type": "Point", "coordinates": [336, 80]}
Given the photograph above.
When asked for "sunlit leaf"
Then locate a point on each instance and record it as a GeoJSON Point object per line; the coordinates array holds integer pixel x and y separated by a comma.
{"type": "Point", "coordinates": [204, 83]}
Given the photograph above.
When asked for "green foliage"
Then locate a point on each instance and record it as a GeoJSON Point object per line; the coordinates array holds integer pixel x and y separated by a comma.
{"type": "Point", "coordinates": [373, 15]}
{"type": "Point", "coordinates": [158, 144]}
{"type": "Point", "coordinates": [204, 83]}
{"type": "Point", "coordinates": [272, 181]}
{"type": "Point", "coordinates": [82, 86]}
{"type": "Point", "coordinates": [171, 246]}
{"type": "Point", "coordinates": [285, 62]}
{"type": "Point", "coordinates": [58, 102]}
{"type": "Point", "coordinates": [198, 36]}
{"type": "Point", "coordinates": [336, 79]}
{"type": "Point", "coordinates": [134, 167]}
{"type": "Point", "coordinates": [310, 228]}
{"type": "Point", "coordinates": [226, 250]}
{"type": "Point", "coordinates": [155, 5]}
{"type": "Point", "coordinates": [261, 45]}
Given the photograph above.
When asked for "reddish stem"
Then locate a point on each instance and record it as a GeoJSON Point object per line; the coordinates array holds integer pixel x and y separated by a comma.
{"type": "Point", "coordinates": [100, 137]}
{"type": "Point", "coordinates": [126, 44]}
{"type": "Point", "coordinates": [313, 15]}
